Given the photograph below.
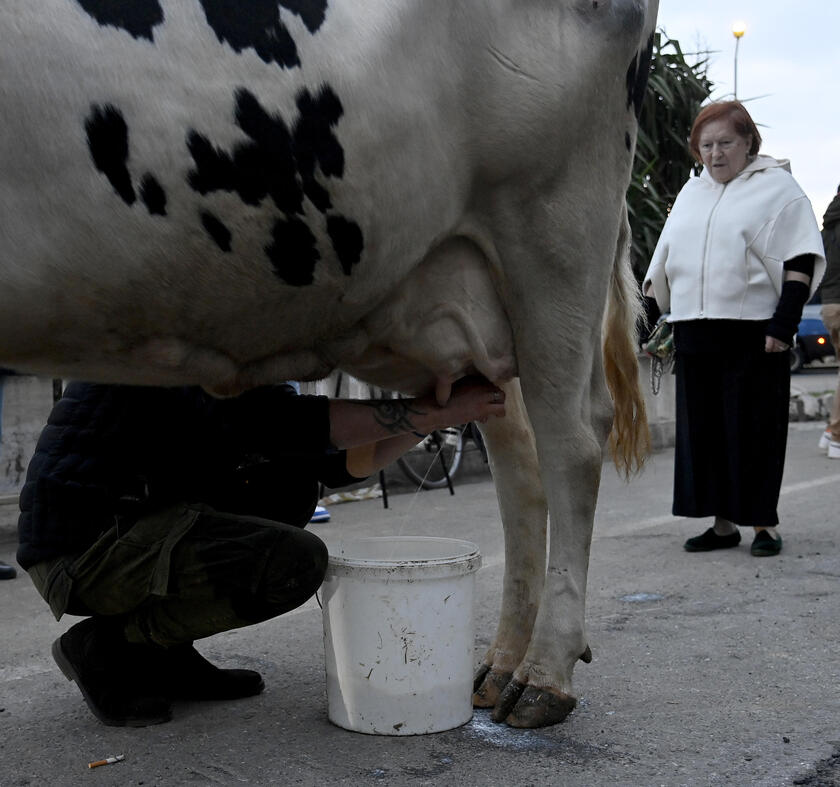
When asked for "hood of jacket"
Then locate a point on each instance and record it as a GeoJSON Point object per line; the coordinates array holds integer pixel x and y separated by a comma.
{"type": "Point", "coordinates": [758, 164]}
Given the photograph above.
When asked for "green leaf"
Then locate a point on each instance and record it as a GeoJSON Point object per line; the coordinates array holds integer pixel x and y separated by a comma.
{"type": "Point", "coordinates": [678, 84]}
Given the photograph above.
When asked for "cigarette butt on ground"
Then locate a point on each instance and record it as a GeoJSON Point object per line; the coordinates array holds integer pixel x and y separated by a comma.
{"type": "Point", "coordinates": [106, 761]}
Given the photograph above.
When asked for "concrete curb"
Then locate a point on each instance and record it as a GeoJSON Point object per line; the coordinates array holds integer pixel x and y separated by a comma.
{"type": "Point", "coordinates": [806, 406]}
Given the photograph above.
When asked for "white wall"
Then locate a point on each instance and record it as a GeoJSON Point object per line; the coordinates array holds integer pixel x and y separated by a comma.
{"type": "Point", "coordinates": [25, 403]}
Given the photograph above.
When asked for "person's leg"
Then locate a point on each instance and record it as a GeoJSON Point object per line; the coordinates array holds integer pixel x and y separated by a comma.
{"type": "Point", "coordinates": [831, 318]}
{"type": "Point", "coordinates": [699, 443]}
{"type": "Point", "coordinates": [769, 411]}
{"type": "Point", "coordinates": [757, 394]}
{"type": "Point", "coordinates": [227, 572]}
{"type": "Point", "coordinates": [190, 572]}
{"type": "Point", "coordinates": [111, 673]}
{"type": "Point", "coordinates": [699, 438]}
{"type": "Point", "coordinates": [187, 573]}
{"type": "Point", "coordinates": [723, 527]}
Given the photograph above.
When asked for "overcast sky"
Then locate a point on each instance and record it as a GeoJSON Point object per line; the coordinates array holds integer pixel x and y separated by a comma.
{"type": "Point", "coordinates": [789, 63]}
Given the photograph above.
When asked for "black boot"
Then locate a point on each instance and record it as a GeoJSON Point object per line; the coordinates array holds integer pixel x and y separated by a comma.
{"type": "Point", "coordinates": [109, 672]}
{"type": "Point", "coordinates": [7, 571]}
{"type": "Point", "coordinates": [187, 675]}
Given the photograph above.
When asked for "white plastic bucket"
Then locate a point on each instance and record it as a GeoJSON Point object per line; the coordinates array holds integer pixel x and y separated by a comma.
{"type": "Point", "coordinates": [399, 634]}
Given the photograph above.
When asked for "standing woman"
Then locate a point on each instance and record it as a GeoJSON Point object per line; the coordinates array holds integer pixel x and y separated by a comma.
{"type": "Point", "coordinates": [738, 258]}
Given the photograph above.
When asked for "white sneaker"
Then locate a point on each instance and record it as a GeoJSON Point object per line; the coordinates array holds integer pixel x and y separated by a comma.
{"type": "Point", "coordinates": [322, 515]}
{"type": "Point", "coordinates": [833, 450]}
{"type": "Point", "coordinates": [825, 439]}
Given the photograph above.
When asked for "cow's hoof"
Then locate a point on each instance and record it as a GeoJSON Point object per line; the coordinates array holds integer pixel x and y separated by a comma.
{"type": "Point", "coordinates": [507, 700]}
{"type": "Point", "coordinates": [540, 708]}
{"type": "Point", "coordinates": [479, 676]}
{"type": "Point", "coordinates": [488, 686]}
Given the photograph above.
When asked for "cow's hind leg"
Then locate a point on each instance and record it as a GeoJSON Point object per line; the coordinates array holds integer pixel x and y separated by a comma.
{"type": "Point", "coordinates": [540, 691]}
{"type": "Point", "coordinates": [555, 294]}
{"type": "Point", "coordinates": [513, 461]}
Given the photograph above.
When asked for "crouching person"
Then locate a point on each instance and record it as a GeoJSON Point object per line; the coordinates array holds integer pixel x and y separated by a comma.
{"type": "Point", "coordinates": [163, 515]}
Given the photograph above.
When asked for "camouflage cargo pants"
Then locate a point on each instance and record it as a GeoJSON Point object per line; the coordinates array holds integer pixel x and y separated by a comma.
{"type": "Point", "coordinates": [186, 572]}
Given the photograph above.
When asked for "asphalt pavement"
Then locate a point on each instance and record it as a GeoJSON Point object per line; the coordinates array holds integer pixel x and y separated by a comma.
{"type": "Point", "coordinates": [708, 669]}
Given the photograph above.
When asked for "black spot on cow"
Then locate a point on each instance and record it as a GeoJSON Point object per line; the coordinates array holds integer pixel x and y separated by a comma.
{"type": "Point", "coordinates": [266, 165]}
{"type": "Point", "coordinates": [263, 166]}
{"type": "Point", "coordinates": [137, 17]}
{"type": "Point", "coordinates": [312, 12]}
{"type": "Point", "coordinates": [259, 26]}
{"type": "Point", "coordinates": [216, 230]}
{"type": "Point", "coordinates": [214, 169]}
{"type": "Point", "coordinates": [628, 141]}
{"type": "Point", "coordinates": [283, 164]}
{"type": "Point", "coordinates": [637, 77]}
{"type": "Point", "coordinates": [347, 241]}
{"type": "Point", "coordinates": [107, 136]}
{"type": "Point", "coordinates": [316, 144]}
{"type": "Point", "coordinates": [153, 195]}
{"type": "Point", "coordinates": [293, 252]}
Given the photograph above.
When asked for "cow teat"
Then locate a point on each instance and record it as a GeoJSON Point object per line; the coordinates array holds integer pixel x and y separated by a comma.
{"type": "Point", "coordinates": [443, 390]}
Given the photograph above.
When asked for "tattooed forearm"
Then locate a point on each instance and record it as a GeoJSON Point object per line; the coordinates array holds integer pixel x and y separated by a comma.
{"type": "Point", "coordinates": [394, 414]}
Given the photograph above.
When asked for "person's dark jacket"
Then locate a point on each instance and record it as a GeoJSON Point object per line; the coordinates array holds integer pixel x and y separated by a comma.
{"type": "Point", "coordinates": [830, 288]}
{"type": "Point", "coordinates": [112, 452]}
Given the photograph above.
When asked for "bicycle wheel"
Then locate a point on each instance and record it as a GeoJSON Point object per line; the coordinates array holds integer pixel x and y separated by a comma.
{"type": "Point", "coordinates": [474, 433]}
{"type": "Point", "coordinates": [422, 464]}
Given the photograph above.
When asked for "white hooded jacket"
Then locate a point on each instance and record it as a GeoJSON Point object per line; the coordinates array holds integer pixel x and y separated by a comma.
{"type": "Point", "coordinates": [722, 250]}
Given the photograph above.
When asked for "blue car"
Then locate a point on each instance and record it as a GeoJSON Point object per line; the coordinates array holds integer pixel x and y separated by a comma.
{"type": "Point", "coordinates": [812, 341]}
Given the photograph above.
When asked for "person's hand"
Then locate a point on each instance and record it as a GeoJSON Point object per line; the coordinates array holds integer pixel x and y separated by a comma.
{"type": "Point", "coordinates": [774, 345]}
{"type": "Point", "coordinates": [472, 399]}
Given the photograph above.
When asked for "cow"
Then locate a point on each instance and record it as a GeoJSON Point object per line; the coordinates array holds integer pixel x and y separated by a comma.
{"type": "Point", "coordinates": [231, 194]}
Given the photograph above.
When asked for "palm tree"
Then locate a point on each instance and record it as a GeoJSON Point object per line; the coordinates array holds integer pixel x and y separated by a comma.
{"type": "Point", "coordinates": [676, 90]}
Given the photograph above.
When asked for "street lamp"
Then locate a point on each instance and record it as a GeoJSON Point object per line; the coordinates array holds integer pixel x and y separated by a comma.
{"type": "Point", "coordinates": [738, 30]}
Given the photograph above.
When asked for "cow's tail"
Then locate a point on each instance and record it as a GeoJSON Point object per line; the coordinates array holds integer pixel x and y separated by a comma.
{"type": "Point", "coordinates": [630, 436]}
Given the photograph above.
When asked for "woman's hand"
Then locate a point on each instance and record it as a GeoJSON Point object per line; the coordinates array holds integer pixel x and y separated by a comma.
{"type": "Point", "coordinates": [773, 345]}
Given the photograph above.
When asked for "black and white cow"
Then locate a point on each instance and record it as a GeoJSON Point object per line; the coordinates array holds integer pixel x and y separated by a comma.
{"type": "Point", "coordinates": [231, 193]}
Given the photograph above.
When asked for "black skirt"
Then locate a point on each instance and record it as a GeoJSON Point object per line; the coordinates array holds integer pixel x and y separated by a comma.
{"type": "Point", "coordinates": [732, 421]}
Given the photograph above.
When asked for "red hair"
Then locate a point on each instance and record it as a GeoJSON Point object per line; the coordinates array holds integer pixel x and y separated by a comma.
{"type": "Point", "coordinates": [732, 110]}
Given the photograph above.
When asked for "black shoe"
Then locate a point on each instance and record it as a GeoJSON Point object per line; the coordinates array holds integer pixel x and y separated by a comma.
{"type": "Point", "coordinates": [710, 540]}
{"type": "Point", "coordinates": [187, 675]}
{"type": "Point", "coordinates": [764, 545]}
{"type": "Point", "coordinates": [7, 571]}
{"type": "Point", "coordinates": [108, 672]}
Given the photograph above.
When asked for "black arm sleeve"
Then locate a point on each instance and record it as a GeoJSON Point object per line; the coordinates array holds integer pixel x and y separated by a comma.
{"type": "Point", "coordinates": [270, 420]}
{"type": "Point", "coordinates": [804, 263]}
{"type": "Point", "coordinates": [785, 321]}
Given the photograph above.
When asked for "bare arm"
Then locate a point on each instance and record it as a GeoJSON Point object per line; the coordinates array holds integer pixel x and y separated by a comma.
{"type": "Point", "coordinates": [378, 431]}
